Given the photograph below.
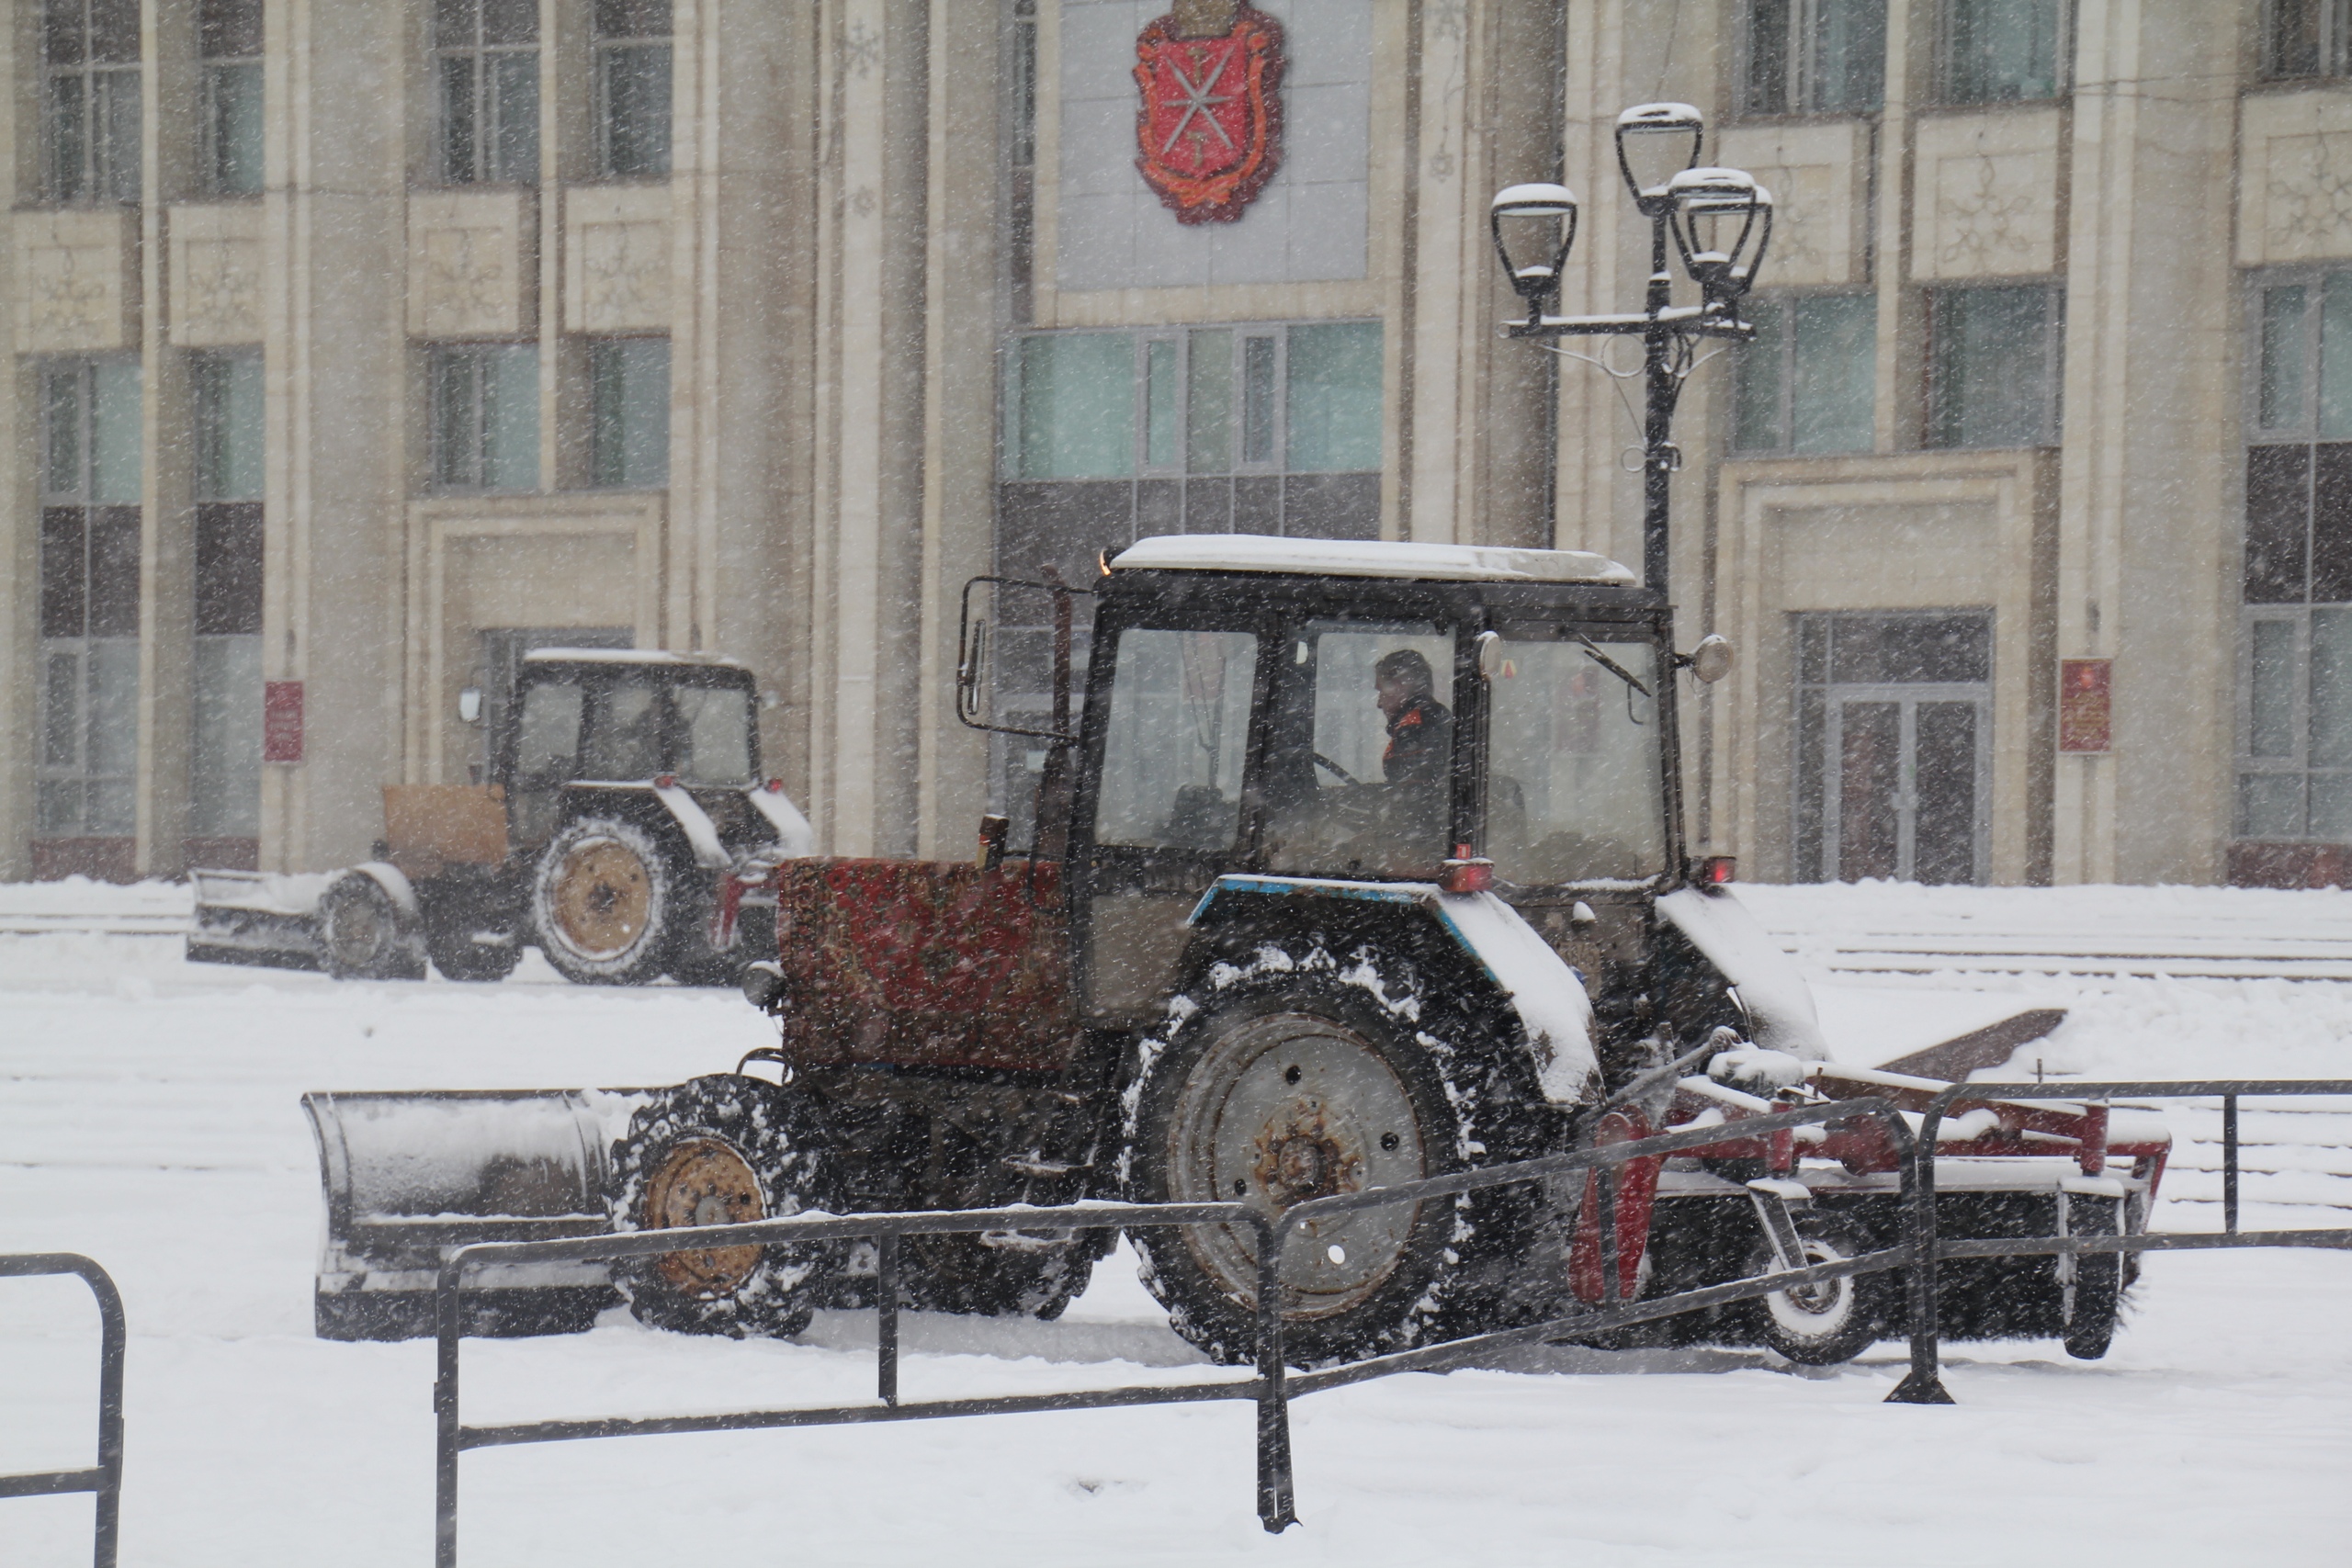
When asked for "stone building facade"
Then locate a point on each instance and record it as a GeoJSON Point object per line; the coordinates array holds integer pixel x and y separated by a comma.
{"type": "Point", "coordinates": [361, 344]}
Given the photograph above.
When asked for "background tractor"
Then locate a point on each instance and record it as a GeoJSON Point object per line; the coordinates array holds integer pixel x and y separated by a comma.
{"type": "Point", "coordinates": [1274, 939]}
{"type": "Point", "coordinates": [622, 826]}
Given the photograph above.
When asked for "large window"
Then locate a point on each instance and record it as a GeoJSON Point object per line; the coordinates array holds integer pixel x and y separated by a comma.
{"type": "Point", "coordinates": [486, 416]}
{"type": "Point", "coordinates": [224, 759]}
{"type": "Point", "coordinates": [90, 99]}
{"type": "Point", "coordinates": [1813, 57]}
{"type": "Point", "coordinates": [1993, 366]}
{"type": "Point", "coordinates": [1576, 779]}
{"type": "Point", "coordinates": [486, 55]}
{"type": "Point", "coordinates": [89, 599]}
{"type": "Point", "coordinates": [229, 35]}
{"type": "Point", "coordinates": [1360, 765]}
{"type": "Point", "coordinates": [1806, 384]}
{"type": "Point", "coordinates": [2307, 37]}
{"type": "Point", "coordinates": [1177, 740]}
{"type": "Point", "coordinates": [629, 388]}
{"type": "Point", "coordinates": [1998, 52]}
{"type": "Point", "coordinates": [633, 87]}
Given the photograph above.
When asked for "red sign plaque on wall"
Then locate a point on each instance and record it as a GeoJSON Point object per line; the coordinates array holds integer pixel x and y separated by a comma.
{"type": "Point", "coordinates": [2084, 706]}
{"type": "Point", "coordinates": [1209, 127]}
{"type": "Point", "coordinates": [281, 721]}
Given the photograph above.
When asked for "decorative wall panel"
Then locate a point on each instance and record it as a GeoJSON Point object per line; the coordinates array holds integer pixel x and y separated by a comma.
{"type": "Point", "coordinates": [617, 258]}
{"type": "Point", "coordinates": [2295, 183]}
{"type": "Point", "coordinates": [78, 271]}
{"type": "Point", "coordinates": [1985, 195]}
{"type": "Point", "coordinates": [1819, 178]}
{"type": "Point", "coordinates": [215, 274]}
{"type": "Point", "coordinates": [471, 264]}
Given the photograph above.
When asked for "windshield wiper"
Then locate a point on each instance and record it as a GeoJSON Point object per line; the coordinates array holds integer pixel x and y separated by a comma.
{"type": "Point", "coordinates": [1592, 651]}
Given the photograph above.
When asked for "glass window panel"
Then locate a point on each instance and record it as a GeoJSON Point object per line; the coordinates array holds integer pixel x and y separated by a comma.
{"type": "Point", "coordinates": [1850, 73]}
{"type": "Point", "coordinates": [1832, 380]}
{"type": "Point", "coordinates": [114, 706]}
{"type": "Point", "coordinates": [118, 134]}
{"type": "Point", "coordinates": [1575, 789]}
{"type": "Point", "coordinates": [1766, 90]}
{"type": "Point", "coordinates": [1163, 406]}
{"type": "Point", "coordinates": [62, 38]}
{"type": "Point", "coordinates": [2270, 717]}
{"type": "Point", "coordinates": [632, 413]}
{"type": "Point", "coordinates": [229, 29]}
{"type": "Point", "coordinates": [547, 740]}
{"type": "Point", "coordinates": [2336, 356]}
{"type": "Point", "coordinates": [236, 110]}
{"type": "Point", "coordinates": [2293, 42]}
{"type": "Point", "coordinates": [632, 18]}
{"type": "Point", "coordinates": [713, 741]}
{"type": "Point", "coordinates": [2270, 805]}
{"type": "Point", "coordinates": [1332, 414]}
{"type": "Point", "coordinates": [69, 145]}
{"type": "Point", "coordinates": [60, 724]}
{"type": "Point", "coordinates": [461, 120]}
{"type": "Point", "coordinates": [624, 737]}
{"type": "Point", "coordinates": [1943, 818]}
{"type": "Point", "coordinates": [2278, 523]}
{"type": "Point", "coordinates": [225, 756]}
{"type": "Point", "coordinates": [510, 21]}
{"type": "Point", "coordinates": [1368, 793]}
{"type": "Point", "coordinates": [58, 809]}
{"type": "Point", "coordinates": [636, 110]}
{"type": "Point", "coordinates": [114, 572]}
{"type": "Point", "coordinates": [229, 411]}
{"type": "Point", "coordinates": [2005, 51]}
{"type": "Point", "coordinates": [1208, 416]}
{"type": "Point", "coordinates": [110, 807]}
{"type": "Point", "coordinates": [228, 566]}
{"type": "Point", "coordinates": [114, 431]}
{"type": "Point", "coordinates": [2330, 806]}
{"type": "Point", "coordinates": [1994, 381]}
{"type": "Point", "coordinates": [62, 388]}
{"type": "Point", "coordinates": [1258, 399]}
{"type": "Point", "coordinates": [456, 407]}
{"type": "Point", "coordinates": [64, 571]}
{"type": "Point", "coordinates": [2282, 358]}
{"type": "Point", "coordinates": [514, 87]}
{"type": "Point", "coordinates": [2330, 689]}
{"type": "Point", "coordinates": [510, 426]}
{"type": "Point", "coordinates": [1078, 406]}
{"type": "Point", "coordinates": [1177, 738]}
{"type": "Point", "coordinates": [1760, 403]}
{"type": "Point", "coordinates": [114, 32]}
{"type": "Point", "coordinates": [456, 23]}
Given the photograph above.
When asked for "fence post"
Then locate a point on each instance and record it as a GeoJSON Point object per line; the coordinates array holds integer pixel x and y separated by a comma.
{"type": "Point", "coordinates": [1923, 1384]}
{"type": "Point", "coordinates": [886, 1316]}
{"type": "Point", "coordinates": [445, 1414]}
{"type": "Point", "coordinates": [1275, 1510]}
{"type": "Point", "coordinates": [2229, 1164]}
{"type": "Point", "coordinates": [112, 1335]}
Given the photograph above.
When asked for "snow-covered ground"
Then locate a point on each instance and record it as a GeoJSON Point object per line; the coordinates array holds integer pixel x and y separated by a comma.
{"type": "Point", "coordinates": [149, 1117]}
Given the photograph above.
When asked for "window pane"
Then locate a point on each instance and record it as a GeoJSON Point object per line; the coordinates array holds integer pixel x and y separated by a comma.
{"type": "Point", "coordinates": [1837, 360]}
{"type": "Point", "coordinates": [2331, 805]}
{"type": "Point", "coordinates": [63, 37]}
{"type": "Point", "coordinates": [461, 120]}
{"type": "Point", "coordinates": [61, 725]}
{"type": "Point", "coordinates": [229, 29]}
{"type": "Point", "coordinates": [2278, 523]}
{"type": "Point", "coordinates": [61, 387]}
{"type": "Point", "coordinates": [229, 415]}
{"type": "Point", "coordinates": [64, 571]}
{"type": "Point", "coordinates": [510, 21]}
{"type": "Point", "coordinates": [1993, 377]}
{"type": "Point", "coordinates": [456, 23]}
{"type": "Point", "coordinates": [228, 566]}
{"type": "Point", "coordinates": [624, 740]}
{"type": "Point", "coordinates": [114, 431]}
{"type": "Point", "coordinates": [2331, 722]}
{"type": "Point", "coordinates": [1574, 786]}
{"type": "Point", "coordinates": [632, 413]}
{"type": "Point", "coordinates": [2270, 805]}
{"type": "Point", "coordinates": [225, 756]}
{"type": "Point", "coordinates": [457, 402]}
{"type": "Point", "coordinates": [1380, 706]}
{"type": "Point", "coordinates": [514, 86]}
{"type": "Point", "coordinates": [510, 426]}
{"type": "Point", "coordinates": [114, 572]}
{"type": "Point", "coordinates": [1258, 399]}
{"type": "Point", "coordinates": [2336, 356]}
{"type": "Point", "coordinates": [1163, 409]}
{"type": "Point", "coordinates": [236, 129]}
{"type": "Point", "coordinates": [547, 742]}
{"type": "Point", "coordinates": [1078, 406]}
{"type": "Point", "coordinates": [68, 129]}
{"type": "Point", "coordinates": [1849, 71]}
{"type": "Point", "coordinates": [59, 808]}
{"type": "Point", "coordinates": [1767, 88]}
{"type": "Point", "coordinates": [1333, 403]}
{"type": "Point", "coordinates": [1759, 405]}
{"type": "Point", "coordinates": [1178, 734]}
{"type": "Point", "coordinates": [636, 110]}
{"type": "Point", "coordinates": [714, 740]}
{"type": "Point", "coordinates": [2004, 51]}
{"type": "Point", "coordinates": [2270, 715]}
{"type": "Point", "coordinates": [118, 132]}
{"type": "Point", "coordinates": [1208, 417]}
{"type": "Point", "coordinates": [2332, 523]}
{"type": "Point", "coordinates": [114, 709]}
{"type": "Point", "coordinates": [2282, 358]}
{"type": "Point", "coordinates": [632, 18]}
{"type": "Point", "coordinates": [114, 32]}
{"type": "Point", "coordinates": [2294, 44]}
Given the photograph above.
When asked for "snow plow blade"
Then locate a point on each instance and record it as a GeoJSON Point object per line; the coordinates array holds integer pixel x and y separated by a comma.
{"type": "Point", "coordinates": [411, 1176]}
{"type": "Point", "coordinates": [250, 917]}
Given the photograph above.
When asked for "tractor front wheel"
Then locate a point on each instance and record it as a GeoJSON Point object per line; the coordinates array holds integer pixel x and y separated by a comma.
{"type": "Point", "coordinates": [602, 902]}
{"type": "Point", "coordinates": [725, 1149]}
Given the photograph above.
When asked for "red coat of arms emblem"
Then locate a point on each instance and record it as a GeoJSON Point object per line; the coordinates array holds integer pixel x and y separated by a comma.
{"type": "Point", "coordinates": [1210, 124]}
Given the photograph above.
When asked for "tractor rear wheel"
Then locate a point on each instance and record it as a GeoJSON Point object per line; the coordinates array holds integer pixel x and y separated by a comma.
{"type": "Point", "coordinates": [1305, 1073]}
{"type": "Point", "coordinates": [602, 902]}
{"type": "Point", "coordinates": [725, 1149]}
{"type": "Point", "coordinates": [365, 934]}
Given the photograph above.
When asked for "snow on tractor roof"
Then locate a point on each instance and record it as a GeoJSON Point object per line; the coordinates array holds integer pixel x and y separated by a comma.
{"type": "Point", "coordinates": [627, 656]}
{"type": "Point", "coordinates": [1369, 558]}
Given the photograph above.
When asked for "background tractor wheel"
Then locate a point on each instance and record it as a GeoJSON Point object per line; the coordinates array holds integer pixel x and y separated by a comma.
{"type": "Point", "coordinates": [963, 1273]}
{"type": "Point", "coordinates": [723, 1150]}
{"type": "Point", "coordinates": [1831, 1323]}
{"type": "Point", "coordinates": [603, 900]}
{"type": "Point", "coordinates": [2098, 1281]}
{"type": "Point", "coordinates": [1305, 1073]}
{"type": "Point", "coordinates": [365, 934]}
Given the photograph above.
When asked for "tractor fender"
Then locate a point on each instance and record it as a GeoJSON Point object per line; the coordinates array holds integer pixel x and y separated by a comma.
{"type": "Point", "coordinates": [701, 833]}
{"type": "Point", "coordinates": [1770, 989]}
{"type": "Point", "coordinates": [793, 834]}
{"type": "Point", "coordinates": [1544, 992]}
{"type": "Point", "coordinates": [395, 883]}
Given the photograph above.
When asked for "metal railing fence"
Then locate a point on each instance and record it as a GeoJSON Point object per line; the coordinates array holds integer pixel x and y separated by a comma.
{"type": "Point", "coordinates": [103, 1478]}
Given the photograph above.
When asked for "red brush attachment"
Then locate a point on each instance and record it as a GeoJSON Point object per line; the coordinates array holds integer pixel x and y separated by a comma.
{"type": "Point", "coordinates": [1467, 876]}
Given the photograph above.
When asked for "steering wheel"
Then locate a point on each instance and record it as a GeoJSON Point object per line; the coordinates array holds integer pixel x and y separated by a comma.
{"type": "Point", "coordinates": [1323, 762]}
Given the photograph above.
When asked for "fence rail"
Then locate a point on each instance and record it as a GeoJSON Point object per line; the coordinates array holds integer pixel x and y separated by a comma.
{"type": "Point", "coordinates": [103, 1478]}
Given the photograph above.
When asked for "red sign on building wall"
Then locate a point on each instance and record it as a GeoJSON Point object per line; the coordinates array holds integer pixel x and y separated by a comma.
{"type": "Point", "coordinates": [1209, 127]}
{"type": "Point", "coordinates": [281, 721]}
{"type": "Point", "coordinates": [2085, 711]}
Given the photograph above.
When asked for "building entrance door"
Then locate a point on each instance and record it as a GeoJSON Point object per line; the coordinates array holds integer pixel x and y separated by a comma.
{"type": "Point", "coordinates": [1905, 776]}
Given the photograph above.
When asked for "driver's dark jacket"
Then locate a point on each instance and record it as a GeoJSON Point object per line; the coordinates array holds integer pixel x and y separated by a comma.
{"type": "Point", "coordinates": [1421, 744]}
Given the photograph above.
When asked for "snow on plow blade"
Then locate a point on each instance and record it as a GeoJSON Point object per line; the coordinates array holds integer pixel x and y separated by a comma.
{"type": "Point", "coordinates": [411, 1176]}
{"type": "Point", "coordinates": [250, 917]}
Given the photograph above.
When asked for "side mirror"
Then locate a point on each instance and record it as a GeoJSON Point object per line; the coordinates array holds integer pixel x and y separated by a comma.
{"type": "Point", "coordinates": [1710, 661]}
{"type": "Point", "coordinates": [1490, 655]}
{"type": "Point", "coordinates": [470, 705]}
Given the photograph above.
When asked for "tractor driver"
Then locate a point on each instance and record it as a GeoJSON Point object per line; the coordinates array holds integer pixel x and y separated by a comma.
{"type": "Point", "coordinates": [1421, 731]}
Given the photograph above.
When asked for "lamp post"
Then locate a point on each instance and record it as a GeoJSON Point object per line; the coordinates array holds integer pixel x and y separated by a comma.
{"type": "Point", "coordinates": [1716, 221]}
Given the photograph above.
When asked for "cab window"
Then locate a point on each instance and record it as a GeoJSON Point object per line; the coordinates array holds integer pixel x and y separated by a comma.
{"type": "Point", "coordinates": [714, 734]}
{"type": "Point", "coordinates": [1575, 780]}
{"type": "Point", "coordinates": [624, 737]}
{"type": "Point", "coordinates": [1361, 767]}
{"type": "Point", "coordinates": [1177, 738]}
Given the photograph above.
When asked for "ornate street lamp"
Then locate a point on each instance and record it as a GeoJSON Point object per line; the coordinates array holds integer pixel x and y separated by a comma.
{"type": "Point", "coordinates": [1717, 222]}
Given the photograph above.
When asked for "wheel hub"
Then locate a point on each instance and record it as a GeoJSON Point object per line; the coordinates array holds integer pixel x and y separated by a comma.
{"type": "Point", "coordinates": [603, 897]}
{"type": "Point", "coordinates": [704, 1182]}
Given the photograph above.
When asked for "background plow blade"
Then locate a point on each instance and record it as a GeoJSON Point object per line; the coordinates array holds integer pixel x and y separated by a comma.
{"type": "Point", "coordinates": [410, 1176]}
{"type": "Point", "coordinates": [249, 917]}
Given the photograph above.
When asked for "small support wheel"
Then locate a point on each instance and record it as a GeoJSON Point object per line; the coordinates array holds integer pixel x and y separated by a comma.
{"type": "Point", "coordinates": [365, 933]}
{"type": "Point", "coordinates": [1832, 1322]}
{"type": "Point", "coordinates": [725, 1150]}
